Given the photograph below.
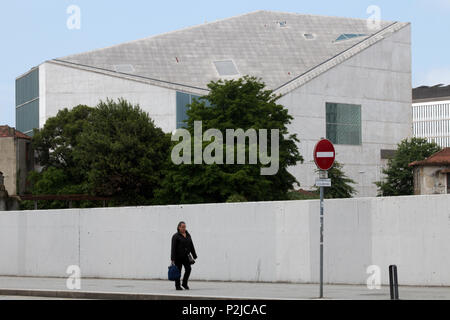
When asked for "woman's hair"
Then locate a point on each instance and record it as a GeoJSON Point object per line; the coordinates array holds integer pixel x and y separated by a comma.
{"type": "Point", "coordinates": [179, 225]}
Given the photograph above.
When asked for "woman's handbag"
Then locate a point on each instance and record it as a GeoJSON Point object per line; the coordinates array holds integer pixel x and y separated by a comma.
{"type": "Point", "coordinates": [174, 273]}
{"type": "Point", "coordinates": [191, 259]}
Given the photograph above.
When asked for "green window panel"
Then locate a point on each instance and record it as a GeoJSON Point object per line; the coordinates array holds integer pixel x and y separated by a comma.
{"type": "Point", "coordinates": [344, 123]}
{"type": "Point", "coordinates": [183, 102]}
{"type": "Point", "coordinates": [27, 117]}
{"type": "Point", "coordinates": [27, 87]}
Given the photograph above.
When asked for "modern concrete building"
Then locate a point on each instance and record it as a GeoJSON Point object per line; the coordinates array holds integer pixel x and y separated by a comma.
{"type": "Point", "coordinates": [431, 114]}
{"type": "Point", "coordinates": [340, 78]}
{"type": "Point", "coordinates": [432, 175]}
{"type": "Point", "coordinates": [16, 159]}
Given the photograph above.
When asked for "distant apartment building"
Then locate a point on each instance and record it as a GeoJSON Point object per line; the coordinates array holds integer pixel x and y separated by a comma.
{"type": "Point", "coordinates": [339, 78]}
{"type": "Point", "coordinates": [16, 159]}
{"type": "Point", "coordinates": [431, 114]}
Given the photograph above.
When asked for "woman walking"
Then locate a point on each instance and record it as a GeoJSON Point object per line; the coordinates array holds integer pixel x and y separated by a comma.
{"type": "Point", "coordinates": [183, 254]}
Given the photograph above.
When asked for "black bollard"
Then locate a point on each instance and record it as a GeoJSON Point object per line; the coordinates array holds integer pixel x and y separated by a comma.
{"type": "Point", "coordinates": [393, 282]}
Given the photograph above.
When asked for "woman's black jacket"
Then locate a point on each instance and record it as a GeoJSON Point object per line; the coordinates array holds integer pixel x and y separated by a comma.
{"type": "Point", "coordinates": [182, 246]}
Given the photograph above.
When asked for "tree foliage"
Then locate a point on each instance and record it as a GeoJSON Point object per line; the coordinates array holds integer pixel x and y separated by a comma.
{"type": "Point", "coordinates": [112, 150]}
{"type": "Point", "coordinates": [115, 150]}
{"type": "Point", "coordinates": [399, 180]}
{"type": "Point", "coordinates": [234, 104]}
{"type": "Point", "coordinates": [55, 144]}
{"type": "Point", "coordinates": [122, 152]}
{"type": "Point", "coordinates": [341, 185]}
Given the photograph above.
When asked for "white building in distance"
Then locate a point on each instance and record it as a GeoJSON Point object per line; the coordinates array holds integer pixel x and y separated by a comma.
{"type": "Point", "coordinates": [431, 114]}
{"type": "Point", "coordinates": [339, 78]}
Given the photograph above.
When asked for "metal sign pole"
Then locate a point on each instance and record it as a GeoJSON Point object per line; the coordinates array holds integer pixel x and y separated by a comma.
{"type": "Point", "coordinates": [322, 175]}
{"type": "Point", "coordinates": [321, 241]}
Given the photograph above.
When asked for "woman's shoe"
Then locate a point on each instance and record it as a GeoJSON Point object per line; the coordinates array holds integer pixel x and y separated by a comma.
{"type": "Point", "coordinates": [185, 286]}
{"type": "Point", "coordinates": [178, 288]}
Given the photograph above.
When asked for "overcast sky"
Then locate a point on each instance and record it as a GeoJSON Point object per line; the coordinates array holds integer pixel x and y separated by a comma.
{"type": "Point", "coordinates": [33, 31]}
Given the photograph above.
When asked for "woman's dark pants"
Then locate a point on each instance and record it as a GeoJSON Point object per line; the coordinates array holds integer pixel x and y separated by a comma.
{"type": "Point", "coordinates": [187, 271]}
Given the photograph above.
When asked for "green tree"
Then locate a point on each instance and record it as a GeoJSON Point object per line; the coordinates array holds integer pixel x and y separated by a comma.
{"type": "Point", "coordinates": [399, 180]}
{"type": "Point", "coordinates": [341, 185]}
{"type": "Point", "coordinates": [123, 153]}
{"type": "Point", "coordinates": [234, 104]}
{"type": "Point", "coordinates": [55, 143]}
{"type": "Point", "coordinates": [55, 181]}
{"type": "Point", "coordinates": [112, 150]}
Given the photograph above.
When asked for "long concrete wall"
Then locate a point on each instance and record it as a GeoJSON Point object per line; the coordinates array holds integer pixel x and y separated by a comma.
{"type": "Point", "coordinates": [270, 241]}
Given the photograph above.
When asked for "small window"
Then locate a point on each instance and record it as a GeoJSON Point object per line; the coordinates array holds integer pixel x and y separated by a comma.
{"type": "Point", "coordinates": [183, 102]}
{"type": "Point", "coordinates": [226, 68]}
{"type": "Point", "coordinates": [387, 154]}
{"type": "Point", "coordinates": [347, 36]}
{"type": "Point", "coordinates": [309, 36]}
{"type": "Point", "coordinates": [343, 123]}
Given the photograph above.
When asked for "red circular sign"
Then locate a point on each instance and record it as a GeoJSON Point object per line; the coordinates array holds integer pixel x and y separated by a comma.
{"type": "Point", "coordinates": [324, 154]}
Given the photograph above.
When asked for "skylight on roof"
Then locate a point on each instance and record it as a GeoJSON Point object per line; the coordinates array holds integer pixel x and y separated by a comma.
{"type": "Point", "coordinates": [124, 68]}
{"type": "Point", "coordinates": [347, 36]}
{"type": "Point", "coordinates": [226, 68]}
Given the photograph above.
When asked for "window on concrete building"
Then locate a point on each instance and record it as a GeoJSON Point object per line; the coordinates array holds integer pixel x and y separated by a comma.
{"type": "Point", "coordinates": [183, 102]}
{"type": "Point", "coordinates": [27, 117]}
{"type": "Point", "coordinates": [347, 36]}
{"type": "Point", "coordinates": [226, 68]}
{"type": "Point", "coordinates": [27, 102]}
{"type": "Point", "coordinates": [343, 123]}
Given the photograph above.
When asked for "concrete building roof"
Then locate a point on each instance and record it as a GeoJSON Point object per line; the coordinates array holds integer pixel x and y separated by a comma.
{"type": "Point", "coordinates": [7, 131]}
{"type": "Point", "coordinates": [441, 158]}
{"type": "Point", "coordinates": [435, 93]}
{"type": "Point", "coordinates": [284, 49]}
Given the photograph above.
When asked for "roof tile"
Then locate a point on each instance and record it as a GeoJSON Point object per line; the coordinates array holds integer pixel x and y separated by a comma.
{"type": "Point", "coordinates": [442, 158]}
{"type": "Point", "coordinates": [254, 41]}
{"type": "Point", "coordinates": [7, 131]}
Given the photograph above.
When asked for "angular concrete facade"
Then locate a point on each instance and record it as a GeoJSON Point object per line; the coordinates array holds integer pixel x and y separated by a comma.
{"type": "Point", "coordinates": [298, 56]}
{"type": "Point", "coordinates": [66, 87]}
{"type": "Point", "coordinates": [378, 79]}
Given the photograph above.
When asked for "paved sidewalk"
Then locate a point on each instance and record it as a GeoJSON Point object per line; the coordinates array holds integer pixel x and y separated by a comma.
{"type": "Point", "coordinates": [158, 290]}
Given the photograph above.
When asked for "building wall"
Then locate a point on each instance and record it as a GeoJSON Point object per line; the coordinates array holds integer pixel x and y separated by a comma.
{"type": "Point", "coordinates": [430, 180]}
{"type": "Point", "coordinates": [15, 164]}
{"type": "Point", "coordinates": [266, 242]}
{"type": "Point", "coordinates": [25, 163]}
{"type": "Point", "coordinates": [8, 164]}
{"type": "Point", "coordinates": [66, 87]}
{"type": "Point", "coordinates": [378, 79]}
{"type": "Point", "coordinates": [431, 120]}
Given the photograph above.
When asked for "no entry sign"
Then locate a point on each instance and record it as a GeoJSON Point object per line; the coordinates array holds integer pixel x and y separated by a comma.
{"type": "Point", "coordinates": [324, 154]}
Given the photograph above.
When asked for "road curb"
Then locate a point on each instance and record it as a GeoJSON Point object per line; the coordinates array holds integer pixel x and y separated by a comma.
{"type": "Point", "coordinates": [75, 294]}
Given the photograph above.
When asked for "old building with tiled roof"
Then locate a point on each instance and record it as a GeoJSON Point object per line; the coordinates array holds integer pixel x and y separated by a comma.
{"type": "Point", "coordinates": [432, 175]}
{"type": "Point", "coordinates": [16, 159]}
